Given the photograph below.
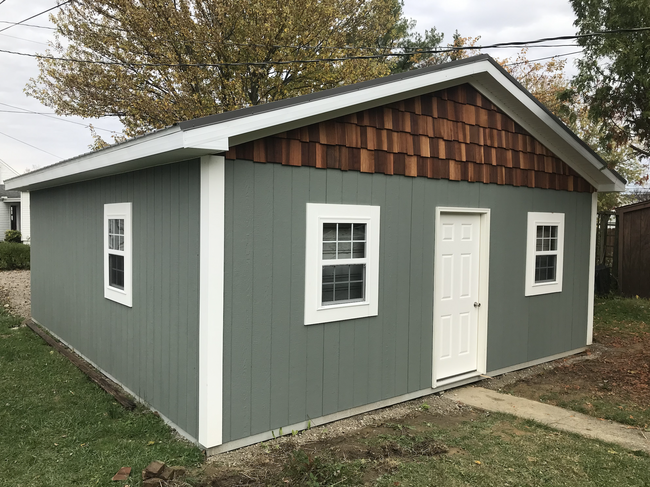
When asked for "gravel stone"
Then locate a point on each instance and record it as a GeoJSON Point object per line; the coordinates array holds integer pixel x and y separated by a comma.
{"type": "Point", "coordinates": [15, 285]}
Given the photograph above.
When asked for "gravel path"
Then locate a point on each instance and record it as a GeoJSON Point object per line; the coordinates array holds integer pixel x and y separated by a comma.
{"type": "Point", "coordinates": [15, 286]}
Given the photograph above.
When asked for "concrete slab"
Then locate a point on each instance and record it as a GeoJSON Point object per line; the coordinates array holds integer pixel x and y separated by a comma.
{"type": "Point", "coordinates": [553, 416]}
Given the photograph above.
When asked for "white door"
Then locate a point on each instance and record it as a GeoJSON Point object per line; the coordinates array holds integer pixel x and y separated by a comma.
{"type": "Point", "coordinates": [457, 306]}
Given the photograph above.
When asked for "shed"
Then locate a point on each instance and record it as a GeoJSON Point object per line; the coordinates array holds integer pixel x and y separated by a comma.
{"type": "Point", "coordinates": [295, 263]}
{"type": "Point", "coordinates": [634, 249]}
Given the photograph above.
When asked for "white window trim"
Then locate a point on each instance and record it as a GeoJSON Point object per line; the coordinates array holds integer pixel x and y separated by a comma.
{"type": "Point", "coordinates": [534, 220]}
{"type": "Point", "coordinates": [317, 214]}
{"type": "Point", "coordinates": [122, 296]}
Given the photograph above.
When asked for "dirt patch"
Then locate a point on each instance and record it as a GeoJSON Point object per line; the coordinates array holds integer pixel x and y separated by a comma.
{"type": "Point", "coordinates": [15, 291]}
{"type": "Point", "coordinates": [611, 382]}
{"type": "Point", "coordinates": [390, 438]}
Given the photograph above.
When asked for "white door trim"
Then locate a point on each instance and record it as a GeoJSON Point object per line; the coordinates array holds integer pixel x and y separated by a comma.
{"type": "Point", "coordinates": [483, 291]}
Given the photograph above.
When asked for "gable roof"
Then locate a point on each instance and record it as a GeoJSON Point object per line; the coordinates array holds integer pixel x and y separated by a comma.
{"type": "Point", "coordinates": [217, 133]}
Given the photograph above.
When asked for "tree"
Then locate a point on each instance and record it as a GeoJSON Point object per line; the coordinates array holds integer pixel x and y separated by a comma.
{"type": "Point", "coordinates": [614, 73]}
{"type": "Point", "coordinates": [548, 82]}
{"type": "Point", "coordinates": [155, 62]}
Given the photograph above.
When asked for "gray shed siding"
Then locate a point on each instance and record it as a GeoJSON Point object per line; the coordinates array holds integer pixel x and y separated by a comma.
{"type": "Point", "coordinates": [153, 347]}
{"type": "Point", "coordinates": [277, 371]}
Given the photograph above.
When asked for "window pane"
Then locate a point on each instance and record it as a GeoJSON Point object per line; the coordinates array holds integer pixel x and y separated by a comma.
{"type": "Point", "coordinates": [345, 232]}
{"type": "Point", "coordinates": [342, 273]}
{"type": "Point", "coordinates": [356, 272]}
{"type": "Point", "coordinates": [116, 271]}
{"type": "Point", "coordinates": [554, 231]}
{"type": "Point", "coordinates": [547, 232]}
{"type": "Point", "coordinates": [329, 232]}
{"type": "Point", "coordinates": [356, 290]}
{"type": "Point", "coordinates": [328, 274]}
{"type": "Point", "coordinates": [345, 250]}
{"type": "Point", "coordinates": [538, 246]}
{"type": "Point", "coordinates": [329, 250]}
{"type": "Point", "coordinates": [540, 231]}
{"type": "Point", "coordinates": [553, 244]}
{"type": "Point", "coordinates": [359, 231]}
{"type": "Point", "coordinates": [341, 291]}
{"type": "Point", "coordinates": [545, 267]}
{"type": "Point", "coordinates": [328, 293]}
{"type": "Point", "coordinates": [358, 250]}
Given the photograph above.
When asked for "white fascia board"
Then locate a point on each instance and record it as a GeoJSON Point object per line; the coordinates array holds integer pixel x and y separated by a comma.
{"type": "Point", "coordinates": [266, 123]}
{"type": "Point", "coordinates": [142, 147]}
{"type": "Point", "coordinates": [547, 131]}
{"type": "Point", "coordinates": [136, 154]}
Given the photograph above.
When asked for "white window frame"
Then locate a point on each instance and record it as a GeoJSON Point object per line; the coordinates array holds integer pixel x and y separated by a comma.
{"type": "Point", "coordinates": [317, 215]}
{"type": "Point", "coordinates": [536, 219]}
{"type": "Point", "coordinates": [122, 296]}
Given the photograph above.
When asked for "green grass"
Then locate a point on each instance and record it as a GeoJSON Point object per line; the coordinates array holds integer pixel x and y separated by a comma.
{"type": "Point", "coordinates": [616, 315]}
{"type": "Point", "coordinates": [499, 450]}
{"type": "Point", "coordinates": [502, 450]}
{"type": "Point", "coordinates": [59, 429]}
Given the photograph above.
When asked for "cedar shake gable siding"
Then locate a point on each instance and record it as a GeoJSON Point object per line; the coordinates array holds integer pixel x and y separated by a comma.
{"type": "Point", "coordinates": [454, 134]}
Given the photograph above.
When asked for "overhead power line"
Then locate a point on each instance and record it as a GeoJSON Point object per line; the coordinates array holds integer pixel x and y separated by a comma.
{"type": "Point", "coordinates": [331, 59]}
{"type": "Point", "coordinates": [22, 24]}
{"type": "Point", "coordinates": [30, 145]}
{"type": "Point", "coordinates": [37, 15]}
{"type": "Point", "coordinates": [52, 116]}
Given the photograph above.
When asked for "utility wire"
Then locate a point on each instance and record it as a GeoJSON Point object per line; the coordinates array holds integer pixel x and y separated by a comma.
{"type": "Point", "coordinates": [36, 15]}
{"type": "Point", "coordinates": [27, 25]}
{"type": "Point", "coordinates": [332, 59]}
{"type": "Point", "coordinates": [543, 58]}
{"type": "Point", "coordinates": [30, 145]}
{"type": "Point", "coordinates": [26, 111]}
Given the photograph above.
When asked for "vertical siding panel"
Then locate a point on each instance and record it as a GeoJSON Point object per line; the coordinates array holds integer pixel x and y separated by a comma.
{"type": "Point", "coordinates": [581, 272]}
{"type": "Point", "coordinates": [331, 334]}
{"type": "Point", "coordinates": [151, 282]}
{"type": "Point", "coordinates": [507, 323]}
{"type": "Point", "coordinates": [168, 262]}
{"type": "Point", "coordinates": [315, 333]}
{"type": "Point", "coordinates": [179, 280]}
{"type": "Point", "coordinates": [179, 338]}
{"type": "Point", "coordinates": [375, 324]}
{"type": "Point", "coordinates": [347, 346]}
{"type": "Point", "coordinates": [426, 291]}
{"type": "Point", "coordinates": [263, 234]}
{"type": "Point", "coordinates": [403, 257]}
{"type": "Point", "coordinates": [389, 248]}
{"type": "Point", "coordinates": [361, 365]}
{"type": "Point", "coordinates": [159, 262]}
{"type": "Point", "coordinates": [415, 284]}
{"type": "Point", "coordinates": [281, 285]}
{"type": "Point", "coordinates": [298, 340]}
{"type": "Point", "coordinates": [228, 324]}
{"type": "Point", "coordinates": [242, 305]}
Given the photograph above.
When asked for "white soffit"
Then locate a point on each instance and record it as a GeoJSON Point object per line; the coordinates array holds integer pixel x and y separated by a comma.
{"type": "Point", "coordinates": [176, 144]}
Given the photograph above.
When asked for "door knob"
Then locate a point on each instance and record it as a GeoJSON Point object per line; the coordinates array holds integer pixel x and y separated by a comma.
{"type": "Point", "coordinates": [477, 305]}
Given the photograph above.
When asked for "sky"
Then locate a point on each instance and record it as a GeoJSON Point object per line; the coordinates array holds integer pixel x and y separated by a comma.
{"type": "Point", "coordinates": [29, 141]}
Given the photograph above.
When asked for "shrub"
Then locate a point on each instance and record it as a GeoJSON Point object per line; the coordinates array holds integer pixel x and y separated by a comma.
{"type": "Point", "coordinates": [14, 256]}
{"type": "Point", "coordinates": [13, 236]}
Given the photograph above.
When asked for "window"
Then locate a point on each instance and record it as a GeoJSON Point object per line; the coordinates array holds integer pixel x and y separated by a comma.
{"type": "Point", "coordinates": [342, 262]}
{"type": "Point", "coordinates": [544, 253]}
{"type": "Point", "coordinates": [117, 253]}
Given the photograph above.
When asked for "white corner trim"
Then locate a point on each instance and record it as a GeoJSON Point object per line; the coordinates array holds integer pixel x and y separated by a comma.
{"type": "Point", "coordinates": [534, 219]}
{"type": "Point", "coordinates": [592, 268]}
{"type": "Point", "coordinates": [119, 211]}
{"type": "Point", "coordinates": [317, 214]}
{"type": "Point", "coordinates": [483, 291]}
{"type": "Point", "coordinates": [212, 237]}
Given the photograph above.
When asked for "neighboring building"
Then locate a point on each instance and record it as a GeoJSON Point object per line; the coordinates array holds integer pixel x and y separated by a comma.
{"type": "Point", "coordinates": [634, 249]}
{"type": "Point", "coordinates": [14, 207]}
{"type": "Point", "coordinates": [302, 261]}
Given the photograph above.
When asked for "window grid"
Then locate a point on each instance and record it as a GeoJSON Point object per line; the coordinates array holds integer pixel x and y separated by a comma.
{"type": "Point", "coordinates": [343, 282]}
{"type": "Point", "coordinates": [546, 246]}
